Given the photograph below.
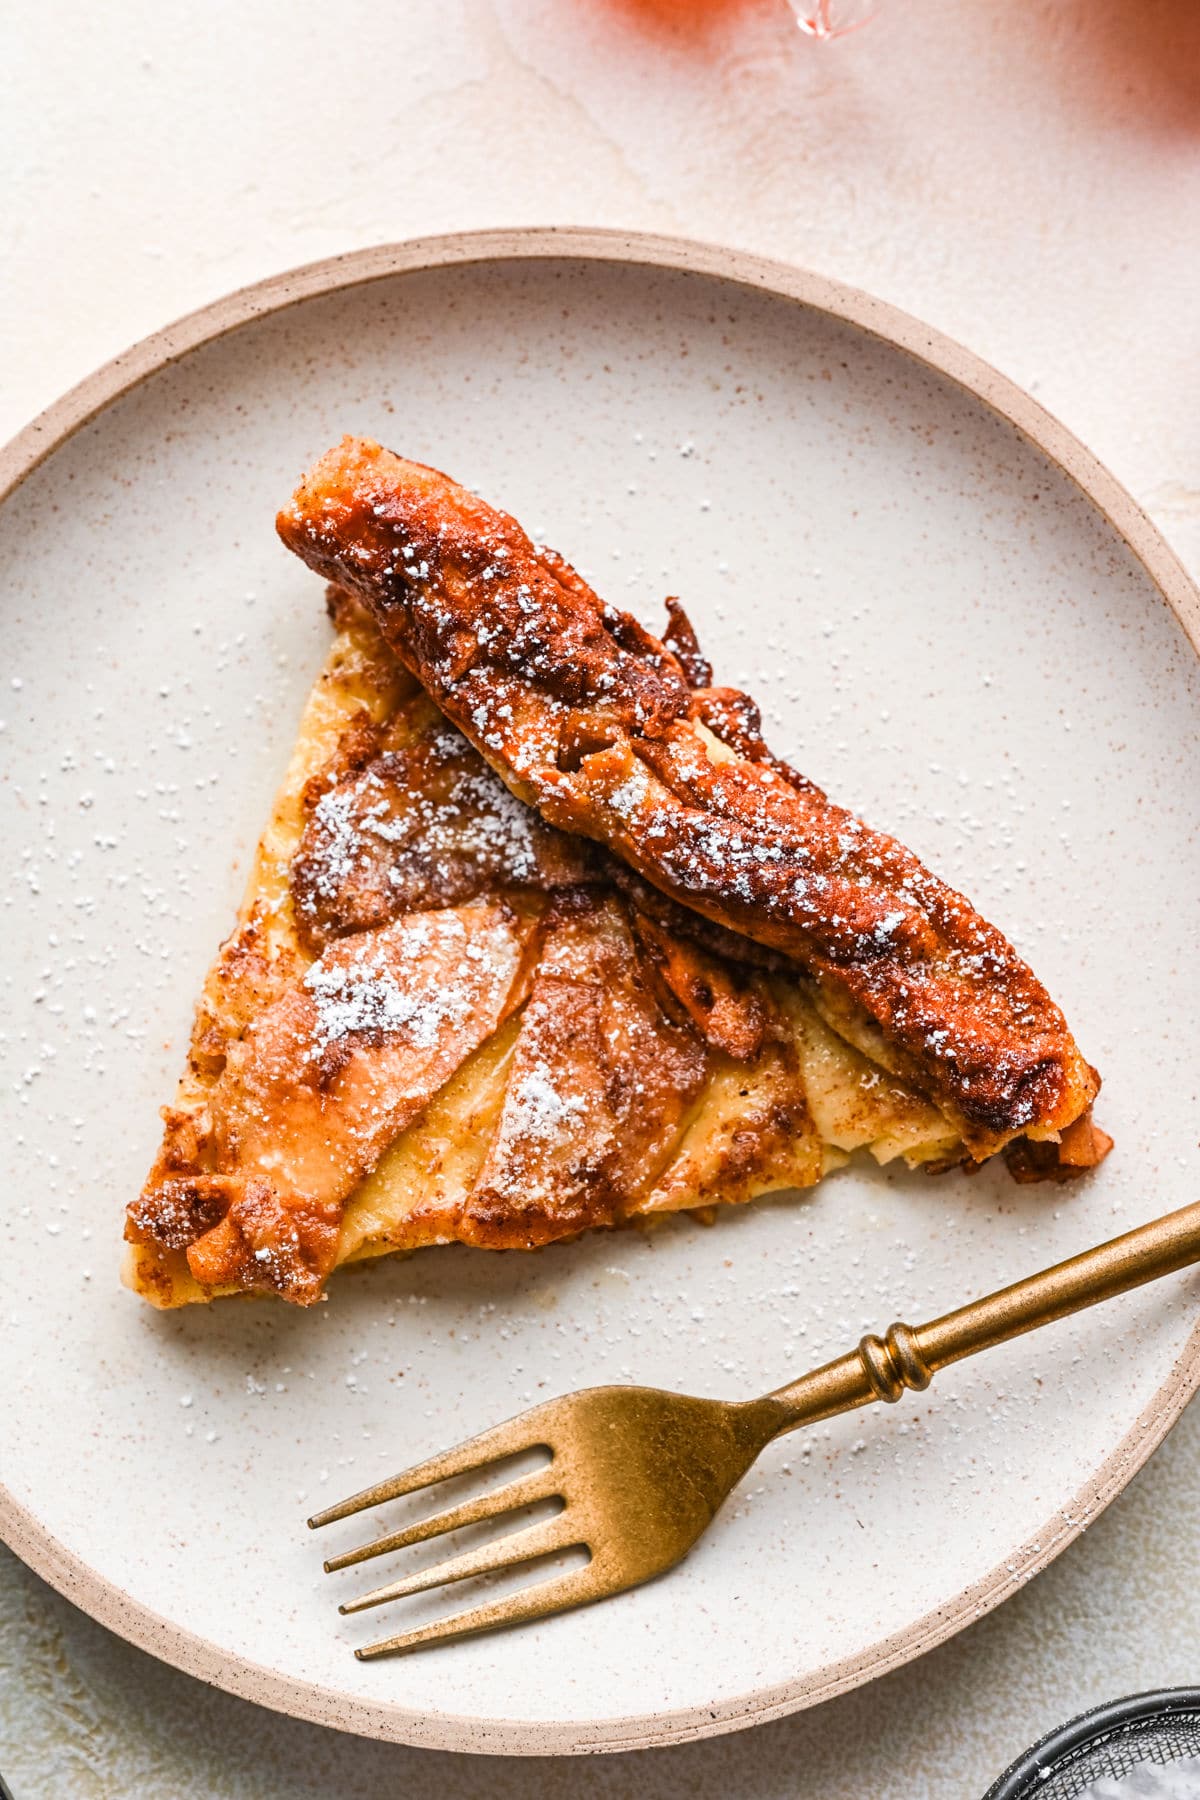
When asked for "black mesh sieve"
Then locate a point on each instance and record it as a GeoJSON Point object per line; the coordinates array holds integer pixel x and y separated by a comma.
{"type": "Point", "coordinates": [1110, 1743]}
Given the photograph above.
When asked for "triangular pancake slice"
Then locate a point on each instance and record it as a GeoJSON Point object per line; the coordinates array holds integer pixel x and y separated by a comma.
{"type": "Point", "coordinates": [439, 1019]}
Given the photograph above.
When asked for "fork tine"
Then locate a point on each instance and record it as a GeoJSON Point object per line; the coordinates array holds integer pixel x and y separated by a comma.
{"type": "Point", "coordinates": [489, 1446]}
{"type": "Point", "coordinates": [514, 1609]}
{"type": "Point", "coordinates": [504, 1553]}
{"type": "Point", "coordinates": [540, 1485]}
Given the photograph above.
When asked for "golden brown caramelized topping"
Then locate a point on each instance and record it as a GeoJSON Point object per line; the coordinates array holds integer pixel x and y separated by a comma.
{"type": "Point", "coordinates": [304, 1072]}
{"type": "Point", "coordinates": [601, 1081]}
{"type": "Point", "coordinates": [442, 1017]}
{"type": "Point", "coordinates": [600, 726]}
{"type": "Point", "coordinates": [426, 824]}
{"type": "Point", "coordinates": [316, 1087]}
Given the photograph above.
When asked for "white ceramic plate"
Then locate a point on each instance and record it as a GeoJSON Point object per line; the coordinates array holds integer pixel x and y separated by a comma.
{"type": "Point", "coordinates": [964, 634]}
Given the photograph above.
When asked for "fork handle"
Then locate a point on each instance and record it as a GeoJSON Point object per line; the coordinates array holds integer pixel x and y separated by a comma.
{"type": "Point", "coordinates": [881, 1368]}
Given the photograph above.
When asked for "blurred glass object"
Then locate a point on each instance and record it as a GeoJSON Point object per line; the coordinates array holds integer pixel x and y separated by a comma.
{"type": "Point", "coordinates": [827, 19]}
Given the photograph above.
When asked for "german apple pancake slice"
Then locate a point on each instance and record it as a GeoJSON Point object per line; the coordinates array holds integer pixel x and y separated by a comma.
{"type": "Point", "coordinates": [440, 1019]}
{"type": "Point", "coordinates": [619, 737]}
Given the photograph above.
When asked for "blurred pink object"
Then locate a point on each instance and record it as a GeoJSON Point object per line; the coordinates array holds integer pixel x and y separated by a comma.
{"type": "Point", "coordinates": [828, 19]}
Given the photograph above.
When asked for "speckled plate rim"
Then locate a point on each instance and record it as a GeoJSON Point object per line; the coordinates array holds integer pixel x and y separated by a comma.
{"type": "Point", "coordinates": [108, 1603]}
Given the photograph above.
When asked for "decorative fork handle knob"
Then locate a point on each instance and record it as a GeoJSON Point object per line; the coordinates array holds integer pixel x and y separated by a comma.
{"type": "Point", "coordinates": [894, 1362]}
{"type": "Point", "coordinates": [882, 1368]}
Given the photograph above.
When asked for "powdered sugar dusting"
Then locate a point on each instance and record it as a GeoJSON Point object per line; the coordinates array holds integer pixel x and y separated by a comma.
{"type": "Point", "coordinates": [361, 993]}
{"type": "Point", "coordinates": [626, 799]}
{"type": "Point", "coordinates": [427, 826]}
{"type": "Point", "coordinates": [335, 812]}
{"type": "Point", "coordinates": [538, 1110]}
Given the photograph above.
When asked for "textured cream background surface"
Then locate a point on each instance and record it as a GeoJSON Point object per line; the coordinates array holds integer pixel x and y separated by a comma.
{"type": "Point", "coordinates": [1028, 179]}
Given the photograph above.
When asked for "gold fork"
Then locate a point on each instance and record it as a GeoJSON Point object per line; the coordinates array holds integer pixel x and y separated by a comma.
{"type": "Point", "coordinates": [641, 1472]}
